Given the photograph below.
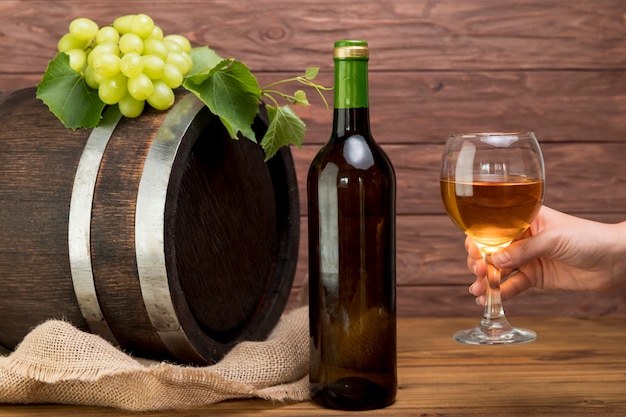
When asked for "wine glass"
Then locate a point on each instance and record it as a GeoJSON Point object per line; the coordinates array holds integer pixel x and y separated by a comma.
{"type": "Point", "coordinates": [492, 187]}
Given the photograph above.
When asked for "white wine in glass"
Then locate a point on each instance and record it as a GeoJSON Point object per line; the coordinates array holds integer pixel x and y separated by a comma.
{"type": "Point", "coordinates": [492, 187]}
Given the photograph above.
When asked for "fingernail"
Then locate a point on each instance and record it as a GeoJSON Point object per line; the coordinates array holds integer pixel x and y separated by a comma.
{"type": "Point", "coordinates": [471, 289]}
{"type": "Point", "coordinates": [478, 301]}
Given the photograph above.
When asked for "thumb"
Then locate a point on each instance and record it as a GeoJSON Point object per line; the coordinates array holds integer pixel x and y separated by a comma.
{"type": "Point", "coordinates": [522, 252]}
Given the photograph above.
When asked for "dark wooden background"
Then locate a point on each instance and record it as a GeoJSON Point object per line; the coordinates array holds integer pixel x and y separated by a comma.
{"type": "Point", "coordinates": [555, 67]}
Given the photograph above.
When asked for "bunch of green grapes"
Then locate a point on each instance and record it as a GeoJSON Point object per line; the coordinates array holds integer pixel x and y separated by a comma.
{"type": "Point", "coordinates": [129, 62]}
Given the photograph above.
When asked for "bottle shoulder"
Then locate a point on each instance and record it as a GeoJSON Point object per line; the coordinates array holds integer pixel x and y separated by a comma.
{"type": "Point", "coordinates": [353, 152]}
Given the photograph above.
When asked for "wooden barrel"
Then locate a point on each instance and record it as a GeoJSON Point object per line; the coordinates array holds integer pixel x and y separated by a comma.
{"type": "Point", "coordinates": [159, 233]}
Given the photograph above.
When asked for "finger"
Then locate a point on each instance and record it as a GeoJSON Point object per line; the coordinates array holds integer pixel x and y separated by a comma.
{"type": "Point", "coordinates": [523, 251]}
{"type": "Point", "coordinates": [534, 243]}
{"type": "Point", "coordinates": [476, 263]}
{"type": "Point", "coordinates": [478, 287]}
{"type": "Point", "coordinates": [481, 300]}
{"type": "Point", "coordinates": [508, 273]}
{"type": "Point", "coordinates": [472, 249]}
{"type": "Point", "coordinates": [514, 285]}
{"type": "Point", "coordinates": [476, 266]}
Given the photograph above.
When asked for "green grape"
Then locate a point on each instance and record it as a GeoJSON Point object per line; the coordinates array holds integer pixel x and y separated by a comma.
{"type": "Point", "coordinates": [90, 77]}
{"type": "Point", "coordinates": [140, 87]}
{"type": "Point", "coordinates": [78, 59]}
{"type": "Point", "coordinates": [142, 25]}
{"type": "Point", "coordinates": [162, 96]}
{"type": "Point", "coordinates": [98, 78]}
{"type": "Point", "coordinates": [123, 23]}
{"type": "Point", "coordinates": [189, 60]}
{"type": "Point", "coordinates": [172, 76]}
{"type": "Point", "coordinates": [130, 107]}
{"type": "Point", "coordinates": [153, 66]}
{"type": "Point", "coordinates": [130, 42]}
{"type": "Point", "coordinates": [68, 41]}
{"type": "Point", "coordinates": [104, 48]}
{"type": "Point", "coordinates": [106, 64]}
{"type": "Point", "coordinates": [83, 28]}
{"type": "Point", "coordinates": [172, 47]}
{"type": "Point", "coordinates": [112, 90]}
{"type": "Point", "coordinates": [157, 33]}
{"type": "Point", "coordinates": [155, 47]}
{"type": "Point", "coordinates": [179, 61]}
{"type": "Point", "coordinates": [182, 41]}
{"type": "Point", "coordinates": [107, 34]}
{"type": "Point", "coordinates": [131, 64]}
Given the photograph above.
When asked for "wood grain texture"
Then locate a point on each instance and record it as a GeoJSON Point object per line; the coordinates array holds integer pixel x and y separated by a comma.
{"type": "Point", "coordinates": [410, 34]}
{"type": "Point", "coordinates": [415, 107]}
{"type": "Point", "coordinates": [580, 178]}
{"type": "Point", "coordinates": [557, 68]}
{"type": "Point", "coordinates": [575, 368]}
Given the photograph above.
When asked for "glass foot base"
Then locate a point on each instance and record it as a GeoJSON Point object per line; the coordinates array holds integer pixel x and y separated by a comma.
{"type": "Point", "coordinates": [488, 336]}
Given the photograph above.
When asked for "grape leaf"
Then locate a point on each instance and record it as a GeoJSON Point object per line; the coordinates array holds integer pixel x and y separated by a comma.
{"type": "Point", "coordinates": [299, 97]}
{"type": "Point", "coordinates": [230, 91]}
{"type": "Point", "coordinates": [311, 72]}
{"type": "Point", "coordinates": [68, 96]}
{"type": "Point", "coordinates": [285, 129]}
{"type": "Point", "coordinates": [204, 59]}
{"type": "Point", "coordinates": [226, 86]}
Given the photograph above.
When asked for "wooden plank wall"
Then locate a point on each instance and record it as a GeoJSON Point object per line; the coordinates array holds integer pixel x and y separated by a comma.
{"type": "Point", "coordinates": [555, 67]}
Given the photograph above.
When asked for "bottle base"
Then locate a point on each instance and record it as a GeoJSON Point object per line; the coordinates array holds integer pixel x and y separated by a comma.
{"type": "Point", "coordinates": [354, 394]}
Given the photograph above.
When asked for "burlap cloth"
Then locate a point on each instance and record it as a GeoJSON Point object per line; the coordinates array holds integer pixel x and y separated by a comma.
{"type": "Point", "coordinates": [57, 363]}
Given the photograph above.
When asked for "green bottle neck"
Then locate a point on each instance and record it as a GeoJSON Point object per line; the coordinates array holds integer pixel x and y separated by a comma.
{"type": "Point", "coordinates": [351, 84]}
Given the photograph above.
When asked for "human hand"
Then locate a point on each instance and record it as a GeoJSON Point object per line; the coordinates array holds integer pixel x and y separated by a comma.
{"type": "Point", "coordinates": [558, 251]}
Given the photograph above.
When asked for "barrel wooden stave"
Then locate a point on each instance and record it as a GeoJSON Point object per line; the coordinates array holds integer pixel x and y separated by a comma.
{"type": "Point", "coordinates": [34, 202]}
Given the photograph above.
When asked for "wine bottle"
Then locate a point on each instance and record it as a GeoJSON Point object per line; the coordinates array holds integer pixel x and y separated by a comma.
{"type": "Point", "coordinates": [351, 191]}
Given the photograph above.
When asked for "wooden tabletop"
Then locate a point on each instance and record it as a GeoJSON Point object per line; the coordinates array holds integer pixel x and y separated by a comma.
{"type": "Point", "coordinates": [576, 367]}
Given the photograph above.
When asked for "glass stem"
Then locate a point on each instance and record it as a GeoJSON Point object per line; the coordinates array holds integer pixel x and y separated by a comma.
{"type": "Point", "coordinates": [494, 319]}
